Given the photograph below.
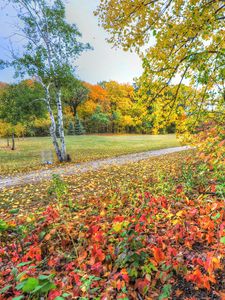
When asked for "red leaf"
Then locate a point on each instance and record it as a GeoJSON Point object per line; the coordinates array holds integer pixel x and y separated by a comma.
{"type": "Point", "coordinates": [158, 254]}
{"type": "Point", "coordinates": [141, 284]}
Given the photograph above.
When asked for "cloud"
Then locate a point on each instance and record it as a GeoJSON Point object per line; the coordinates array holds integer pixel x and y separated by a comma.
{"type": "Point", "coordinates": [103, 63]}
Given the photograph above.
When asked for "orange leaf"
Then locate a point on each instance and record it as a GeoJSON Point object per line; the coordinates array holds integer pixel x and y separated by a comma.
{"type": "Point", "coordinates": [158, 254]}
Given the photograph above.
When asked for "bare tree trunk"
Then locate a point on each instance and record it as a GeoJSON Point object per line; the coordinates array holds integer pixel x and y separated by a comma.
{"type": "Point", "coordinates": [53, 127]}
{"type": "Point", "coordinates": [60, 123]}
{"type": "Point", "coordinates": [7, 141]}
{"type": "Point", "coordinates": [74, 108]}
{"type": "Point", "coordinates": [53, 134]}
{"type": "Point", "coordinates": [13, 141]}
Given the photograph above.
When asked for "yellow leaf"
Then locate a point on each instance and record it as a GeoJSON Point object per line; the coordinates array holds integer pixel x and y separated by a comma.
{"type": "Point", "coordinates": [117, 227]}
{"type": "Point", "coordinates": [169, 216]}
{"type": "Point", "coordinates": [102, 213]}
{"type": "Point", "coordinates": [179, 213]}
{"type": "Point", "coordinates": [174, 222]}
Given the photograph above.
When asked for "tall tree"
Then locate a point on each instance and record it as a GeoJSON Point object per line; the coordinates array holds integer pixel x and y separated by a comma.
{"type": "Point", "coordinates": [121, 101]}
{"type": "Point", "coordinates": [49, 54]}
{"type": "Point", "coordinates": [74, 94]}
{"type": "Point", "coordinates": [186, 39]}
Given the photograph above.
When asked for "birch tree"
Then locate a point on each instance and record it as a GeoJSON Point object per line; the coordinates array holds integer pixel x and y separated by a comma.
{"type": "Point", "coordinates": [52, 45]}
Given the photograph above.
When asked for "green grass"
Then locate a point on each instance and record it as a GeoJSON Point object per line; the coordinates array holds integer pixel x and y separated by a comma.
{"type": "Point", "coordinates": [81, 148]}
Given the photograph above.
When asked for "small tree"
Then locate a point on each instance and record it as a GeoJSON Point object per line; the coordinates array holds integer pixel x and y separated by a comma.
{"type": "Point", "coordinates": [5, 130]}
{"type": "Point", "coordinates": [71, 130]}
{"type": "Point", "coordinates": [79, 129]}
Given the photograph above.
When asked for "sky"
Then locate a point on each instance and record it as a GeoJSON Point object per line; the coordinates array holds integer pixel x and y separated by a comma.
{"type": "Point", "coordinates": [102, 63]}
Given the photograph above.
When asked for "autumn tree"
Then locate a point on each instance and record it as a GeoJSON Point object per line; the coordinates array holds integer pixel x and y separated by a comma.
{"type": "Point", "coordinates": [5, 130]}
{"type": "Point", "coordinates": [18, 107]}
{"type": "Point", "coordinates": [51, 47]}
{"type": "Point", "coordinates": [185, 44]}
{"type": "Point", "coordinates": [75, 93]}
{"type": "Point", "coordinates": [121, 99]}
{"type": "Point", "coordinates": [97, 97]}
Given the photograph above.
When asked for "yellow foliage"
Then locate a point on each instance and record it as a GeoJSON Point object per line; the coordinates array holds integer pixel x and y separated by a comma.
{"type": "Point", "coordinates": [40, 123]}
{"type": "Point", "coordinates": [19, 130]}
{"type": "Point", "coordinates": [127, 121]}
{"type": "Point", "coordinates": [5, 129]}
{"type": "Point", "coordinates": [187, 43]}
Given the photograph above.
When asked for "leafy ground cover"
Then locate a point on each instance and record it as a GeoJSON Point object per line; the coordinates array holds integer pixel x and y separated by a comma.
{"type": "Point", "coordinates": [27, 155]}
{"type": "Point", "coordinates": [155, 173]}
{"type": "Point", "coordinates": [150, 230]}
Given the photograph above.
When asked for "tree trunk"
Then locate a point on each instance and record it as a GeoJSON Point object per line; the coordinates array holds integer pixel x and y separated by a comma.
{"type": "Point", "coordinates": [53, 127]}
{"type": "Point", "coordinates": [60, 123]}
{"type": "Point", "coordinates": [74, 108]}
{"type": "Point", "coordinates": [13, 141]}
{"type": "Point", "coordinates": [113, 127]}
{"type": "Point", "coordinates": [7, 141]}
{"type": "Point", "coordinates": [54, 136]}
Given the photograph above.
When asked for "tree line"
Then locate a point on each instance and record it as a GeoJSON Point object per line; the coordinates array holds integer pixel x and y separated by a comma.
{"type": "Point", "coordinates": [107, 107]}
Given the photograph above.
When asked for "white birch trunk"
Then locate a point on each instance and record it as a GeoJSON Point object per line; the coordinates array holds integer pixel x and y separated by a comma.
{"type": "Point", "coordinates": [60, 123]}
{"type": "Point", "coordinates": [53, 127]}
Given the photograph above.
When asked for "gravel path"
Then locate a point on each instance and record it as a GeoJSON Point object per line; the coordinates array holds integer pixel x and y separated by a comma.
{"type": "Point", "coordinates": [35, 177]}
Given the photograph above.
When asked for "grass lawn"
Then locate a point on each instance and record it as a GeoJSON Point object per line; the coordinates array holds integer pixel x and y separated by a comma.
{"type": "Point", "coordinates": [81, 148]}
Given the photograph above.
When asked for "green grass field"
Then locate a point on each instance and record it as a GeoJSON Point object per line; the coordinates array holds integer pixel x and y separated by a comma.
{"type": "Point", "coordinates": [81, 148]}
